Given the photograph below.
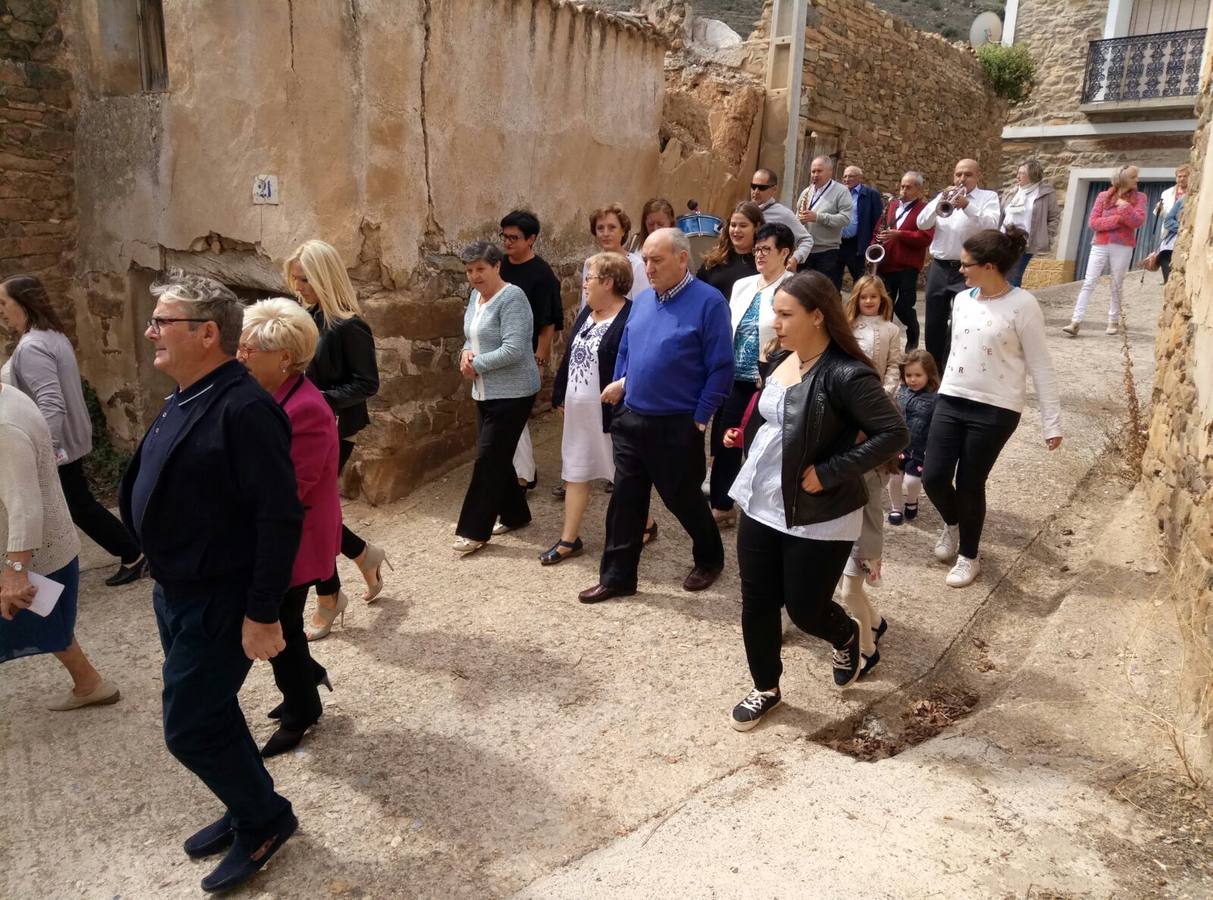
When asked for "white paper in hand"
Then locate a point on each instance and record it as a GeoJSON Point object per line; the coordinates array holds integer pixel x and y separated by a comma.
{"type": "Point", "coordinates": [47, 596]}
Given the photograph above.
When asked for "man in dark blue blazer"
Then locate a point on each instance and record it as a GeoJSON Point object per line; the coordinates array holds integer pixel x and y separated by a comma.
{"type": "Point", "coordinates": [865, 213]}
{"type": "Point", "coordinates": [211, 494]}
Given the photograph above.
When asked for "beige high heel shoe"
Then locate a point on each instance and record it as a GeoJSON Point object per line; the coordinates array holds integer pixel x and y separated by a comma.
{"type": "Point", "coordinates": [373, 563]}
{"type": "Point", "coordinates": [329, 615]}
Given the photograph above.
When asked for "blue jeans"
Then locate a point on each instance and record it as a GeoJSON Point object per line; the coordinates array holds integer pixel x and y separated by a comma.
{"type": "Point", "coordinates": [1015, 276]}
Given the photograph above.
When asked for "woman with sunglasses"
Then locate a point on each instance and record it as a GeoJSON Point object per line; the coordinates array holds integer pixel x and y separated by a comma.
{"type": "Point", "coordinates": [998, 340]}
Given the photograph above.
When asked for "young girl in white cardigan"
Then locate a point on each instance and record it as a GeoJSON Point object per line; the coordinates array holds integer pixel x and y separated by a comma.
{"type": "Point", "coordinates": [870, 311]}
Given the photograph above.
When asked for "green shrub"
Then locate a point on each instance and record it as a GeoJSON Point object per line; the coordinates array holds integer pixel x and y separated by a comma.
{"type": "Point", "coordinates": [105, 465]}
{"type": "Point", "coordinates": [1008, 69]}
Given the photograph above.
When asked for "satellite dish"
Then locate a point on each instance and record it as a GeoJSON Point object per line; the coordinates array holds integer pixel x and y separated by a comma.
{"type": "Point", "coordinates": [986, 29]}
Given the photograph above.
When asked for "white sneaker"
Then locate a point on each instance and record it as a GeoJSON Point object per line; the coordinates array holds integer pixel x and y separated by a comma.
{"type": "Point", "coordinates": [964, 573]}
{"type": "Point", "coordinates": [1113, 328]}
{"type": "Point", "coordinates": [1071, 329]}
{"type": "Point", "coordinates": [466, 545]}
{"type": "Point", "coordinates": [948, 544]}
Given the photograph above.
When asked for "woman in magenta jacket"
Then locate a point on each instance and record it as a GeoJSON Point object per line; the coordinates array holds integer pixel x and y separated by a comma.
{"type": "Point", "coordinates": [1118, 213]}
{"type": "Point", "coordinates": [277, 343]}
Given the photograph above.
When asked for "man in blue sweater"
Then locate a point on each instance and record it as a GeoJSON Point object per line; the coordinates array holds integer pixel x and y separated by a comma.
{"type": "Point", "coordinates": [674, 370]}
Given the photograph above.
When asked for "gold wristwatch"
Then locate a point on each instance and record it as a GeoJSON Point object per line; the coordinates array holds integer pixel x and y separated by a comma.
{"type": "Point", "coordinates": [14, 565]}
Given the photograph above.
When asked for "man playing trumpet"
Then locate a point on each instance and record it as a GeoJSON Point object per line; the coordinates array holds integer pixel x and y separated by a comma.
{"type": "Point", "coordinates": [956, 214]}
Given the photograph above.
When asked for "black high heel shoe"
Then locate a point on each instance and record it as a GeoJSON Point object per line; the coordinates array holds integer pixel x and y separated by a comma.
{"type": "Point", "coordinates": [276, 712]}
{"type": "Point", "coordinates": [282, 741]}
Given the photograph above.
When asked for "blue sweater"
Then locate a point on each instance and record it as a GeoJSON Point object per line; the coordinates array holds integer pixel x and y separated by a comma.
{"type": "Point", "coordinates": [677, 356]}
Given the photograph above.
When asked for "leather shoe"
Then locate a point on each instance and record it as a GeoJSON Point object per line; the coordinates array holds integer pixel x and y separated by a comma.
{"type": "Point", "coordinates": [600, 592]}
{"type": "Point", "coordinates": [247, 858]}
{"type": "Point", "coordinates": [282, 741]}
{"type": "Point", "coordinates": [214, 838]}
{"type": "Point", "coordinates": [701, 579]}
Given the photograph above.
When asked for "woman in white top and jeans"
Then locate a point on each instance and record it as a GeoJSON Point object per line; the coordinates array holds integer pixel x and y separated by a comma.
{"type": "Point", "coordinates": [998, 340]}
{"type": "Point", "coordinates": [1032, 206]}
{"type": "Point", "coordinates": [497, 359]}
{"type": "Point", "coordinates": [801, 490]}
{"type": "Point", "coordinates": [37, 535]}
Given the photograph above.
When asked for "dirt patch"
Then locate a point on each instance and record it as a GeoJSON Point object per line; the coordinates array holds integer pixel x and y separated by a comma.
{"type": "Point", "coordinates": [925, 718]}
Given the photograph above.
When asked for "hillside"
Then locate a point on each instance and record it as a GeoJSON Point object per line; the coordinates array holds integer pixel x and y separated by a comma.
{"type": "Point", "coordinates": [951, 18]}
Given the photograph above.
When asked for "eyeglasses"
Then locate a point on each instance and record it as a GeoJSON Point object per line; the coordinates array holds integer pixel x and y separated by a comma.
{"type": "Point", "coordinates": [243, 351]}
{"type": "Point", "coordinates": [763, 251]}
{"type": "Point", "coordinates": [156, 323]}
{"type": "Point", "coordinates": [972, 265]}
{"type": "Point", "coordinates": [510, 238]}
{"type": "Point", "coordinates": [760, 187]}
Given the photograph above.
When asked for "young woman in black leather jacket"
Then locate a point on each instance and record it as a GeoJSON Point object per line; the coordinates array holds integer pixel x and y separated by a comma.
{"type": "Point", "coordinates": [345, 371]}
{"type": "Point", "coordinates": [801, 491]}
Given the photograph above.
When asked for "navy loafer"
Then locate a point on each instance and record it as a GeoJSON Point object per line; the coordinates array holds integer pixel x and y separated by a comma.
{"type": "Point", "coordinates": [214, 838]}
{"type": "Point", "coordinates": [246, 858]}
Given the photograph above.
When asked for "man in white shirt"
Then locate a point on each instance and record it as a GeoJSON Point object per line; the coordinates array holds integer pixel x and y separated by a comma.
{"type": "Point", "coordinates": [824, 208]}
{"type": "Point", "coordinates": [763, 187]}
{"type": "Point", "coordinates": [975, 211]}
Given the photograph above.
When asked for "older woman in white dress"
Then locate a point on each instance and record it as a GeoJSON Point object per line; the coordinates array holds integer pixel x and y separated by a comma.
{"type": "Point", "coordinates": [587, 367]}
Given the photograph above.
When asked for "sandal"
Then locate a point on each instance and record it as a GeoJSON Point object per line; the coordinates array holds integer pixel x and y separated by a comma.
{"type": "Point", "coordinates": [650, 535]}
{"type": "Point", "coordinates": [552, 555]}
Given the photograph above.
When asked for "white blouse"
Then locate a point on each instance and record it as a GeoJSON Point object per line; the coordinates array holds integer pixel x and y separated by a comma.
{"type": "Point", "coordinates": [758, 489]}
{"type": "Point", "coordinates": [742, 296]}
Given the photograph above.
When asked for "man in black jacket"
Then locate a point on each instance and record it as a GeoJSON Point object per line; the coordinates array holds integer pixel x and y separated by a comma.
{"type": "Point", "coordinates": [211, 494]}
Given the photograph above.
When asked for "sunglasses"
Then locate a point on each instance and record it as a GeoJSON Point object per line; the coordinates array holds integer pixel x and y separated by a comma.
{"type": "Point", "coordinates": [760, 187]}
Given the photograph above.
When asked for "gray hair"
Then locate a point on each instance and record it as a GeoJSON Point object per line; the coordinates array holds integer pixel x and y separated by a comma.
{"type": "Point", "coordinates": [1036, 171]}
{"type": "Point", "coordinates": [917, 176]}
{"type": "Point", "coordinates": [481, 251]}
{"type": "Point", "coordinates": [207, 299]}
{"type": "Point", "coordinates": [825, 159]}
{"type": "Point", "coordinates": [679, 242]}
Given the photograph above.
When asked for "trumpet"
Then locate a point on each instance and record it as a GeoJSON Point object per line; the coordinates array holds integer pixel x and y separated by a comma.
{"type": "Point", "coordinates": [946, 205]}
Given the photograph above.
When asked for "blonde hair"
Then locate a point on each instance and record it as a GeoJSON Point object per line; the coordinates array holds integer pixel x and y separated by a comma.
{"type": "Point", "coordinates": [326, 273]}
{"type": "Point", "coordinates": [613, 266]}
{"type": "Point", "coordinates": [280, 323]}
{"type": "Point", "coordinates": [886, 302]}
{"type": "Point", "coordinates": [1119, 180]}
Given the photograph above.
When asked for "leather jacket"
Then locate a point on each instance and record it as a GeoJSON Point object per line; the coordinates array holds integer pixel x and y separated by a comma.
{"type": "Point", "coordinates": [823, 416]}
{"type": "Point", "coordinates": [345, 371]}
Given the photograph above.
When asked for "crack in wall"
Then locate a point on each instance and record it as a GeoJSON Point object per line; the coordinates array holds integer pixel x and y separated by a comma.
{"type": "Point", "coordinates": [290, 19]}
{"type": "Point", "coordinates": [434, 236]}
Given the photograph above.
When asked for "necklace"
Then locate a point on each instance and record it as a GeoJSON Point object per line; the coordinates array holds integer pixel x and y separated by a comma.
{"type": "Point", "coordinates": [984, 296]}
{"type": "Point", "coordinates": [808, 363]}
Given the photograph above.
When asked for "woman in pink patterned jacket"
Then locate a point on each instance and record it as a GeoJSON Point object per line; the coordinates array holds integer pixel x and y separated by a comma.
{"type": "Point", "coordinates": [1118, 213]}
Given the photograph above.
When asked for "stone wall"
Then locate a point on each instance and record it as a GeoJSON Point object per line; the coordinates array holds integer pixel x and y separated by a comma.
{"type": "Point", "coordinates": [37, 116]}
{"type": "Point", "coordinates": [895, 97]}
{"type": "Point", "coordinates": [398, 132]}
{"type": "Point", "coordinates": [1178, 467]}
{"type": "Point", "coordinates": [1055, 33]}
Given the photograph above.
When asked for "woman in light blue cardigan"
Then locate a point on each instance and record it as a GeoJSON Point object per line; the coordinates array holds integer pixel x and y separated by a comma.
{"type": "Point", "coordinates": [497, 359]}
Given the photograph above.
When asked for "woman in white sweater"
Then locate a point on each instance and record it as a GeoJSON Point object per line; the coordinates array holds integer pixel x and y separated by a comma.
{"type": "Point", "coordinates": [38, 536]}
{"type": "Point", "coordinates": [998, 340]}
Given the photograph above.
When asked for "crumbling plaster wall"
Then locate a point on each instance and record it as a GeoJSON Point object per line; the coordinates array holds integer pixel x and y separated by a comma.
{"type": "Point", "coordinates": [398, 132]}
{"type": "Point", "coordinates": [1178, 466]}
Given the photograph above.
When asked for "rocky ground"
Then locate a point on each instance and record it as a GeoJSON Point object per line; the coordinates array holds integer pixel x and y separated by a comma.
{"type": "Point", "coordinates": [490, 736]}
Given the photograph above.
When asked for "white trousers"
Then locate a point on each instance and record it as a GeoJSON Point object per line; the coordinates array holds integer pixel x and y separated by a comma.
{"type": "Point", "coordinates": [1113, 258]}
{"type": "Point", "coordinates": [524, 456]}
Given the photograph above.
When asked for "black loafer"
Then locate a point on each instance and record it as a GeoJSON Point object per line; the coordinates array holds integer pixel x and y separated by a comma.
{"type": "Point", "coordinates": [600, 592]}
{"type": "Point", "coordinates": [214, 838]}
{"type": "Point", "coordinates": [126, 574]}
{"type": "Point", "coordinates": [246, 859]}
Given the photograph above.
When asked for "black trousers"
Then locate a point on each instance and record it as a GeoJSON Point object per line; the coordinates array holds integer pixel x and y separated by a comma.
{"type": "Point", "coordinates": [1164, 263]}
{"type": "Point", "coordinates": [828, 263]}
{"type": "Point", "coordinates": [726, 462]}
{"type": "Point", "coordinates": [494, 492]}
{"type": "Point", "coordinates": [666, 453]}
{"type": "Point", "coordinates": [351, 545]}
{"type": "Point", "coordinates": [962, 447]}
{"type": "Point", "coordinates": [779, 570]}
{"type": "Point", "coordinates": [851, 258]}
{"type": "Point", "coordinates": [94, 519]}
{"type": "Point", "coordinates": [944, 282]}
{"type": "Point", "coordinates": [295, 672]}
{"type": "Point", "coordinates": [903, 291]}
{"type": "Point", "coordinates": [204, 728]}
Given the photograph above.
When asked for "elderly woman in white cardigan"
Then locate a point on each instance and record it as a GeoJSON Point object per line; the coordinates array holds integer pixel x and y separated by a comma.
{"type": "Point", "coordinates": [497, 359]}
{"type": "Point", "coordinates": [37, 536]}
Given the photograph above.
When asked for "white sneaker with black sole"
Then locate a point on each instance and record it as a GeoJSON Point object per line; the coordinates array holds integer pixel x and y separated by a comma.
{"type": "Point", "coordinates": [948, 544]}
{"type": "Point", "coordinates": [964, 573]}
{"type": "Point", "coordinates": [749, 712]}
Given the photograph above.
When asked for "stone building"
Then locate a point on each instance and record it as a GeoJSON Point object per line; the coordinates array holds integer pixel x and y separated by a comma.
{"type": "Point", "coordinates": [877, 93]}
{"type": "Point", "coordinates": [1116, 83]}
{"type": "Point", "coordinates": [1178, 467]}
